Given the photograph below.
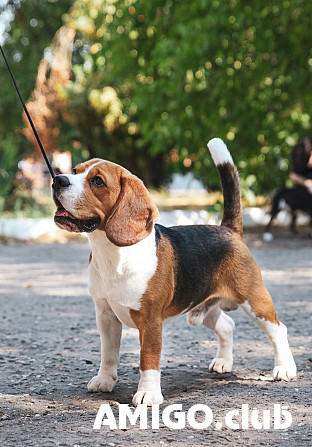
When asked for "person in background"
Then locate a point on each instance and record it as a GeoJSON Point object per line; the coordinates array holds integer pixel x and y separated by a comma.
{"type": "Point", "coordinates": [302, 165]}
{"type": "Point", "coordinates": [299, 197]}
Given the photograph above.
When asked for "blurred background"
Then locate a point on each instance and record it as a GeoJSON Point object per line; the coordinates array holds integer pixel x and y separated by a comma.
{"type": "Point", "coordinates": [146, 84]}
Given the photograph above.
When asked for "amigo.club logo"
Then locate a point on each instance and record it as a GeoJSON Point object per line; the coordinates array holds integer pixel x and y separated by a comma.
{"type": "Point", "coordinates": [198, 416]}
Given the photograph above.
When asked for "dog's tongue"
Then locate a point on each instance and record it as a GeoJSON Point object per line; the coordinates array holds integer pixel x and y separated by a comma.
{"type": "Point", "coordinates": [61, 212]}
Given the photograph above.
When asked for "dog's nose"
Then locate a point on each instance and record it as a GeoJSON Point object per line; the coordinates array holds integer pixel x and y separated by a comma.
{"type": "Point", "coordinates": [60, 181]}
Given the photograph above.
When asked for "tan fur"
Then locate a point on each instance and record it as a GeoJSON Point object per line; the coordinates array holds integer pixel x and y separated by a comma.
{"type": "Point", "coordinates": [135, 267]}
{"type": "Point", "coordinates": [156, 307]}
{"type": "Point", "coordinates": [239, 280]}
{"type": "Point", "coordinates": [100, 200]}
{"type": "Point", "coordinates": [83, 166]}
{"type": "Point", "coordinates": [132, 217]}
{"type": "Point", "coordinates": [127, 216]}
{"type": "Point", "coordinates": [126, 211]}
{"type": "Point", "coordinates": [242, 281]}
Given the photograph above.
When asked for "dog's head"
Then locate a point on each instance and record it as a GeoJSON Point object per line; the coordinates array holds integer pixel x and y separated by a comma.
{"type": "Point", "coordinates": [103, 195]}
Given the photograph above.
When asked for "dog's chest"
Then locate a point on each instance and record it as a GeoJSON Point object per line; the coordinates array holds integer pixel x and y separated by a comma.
{"type": "Point", "coordinates": [124, 287]}
{"type": "Point", "coordinates": [121, 276]}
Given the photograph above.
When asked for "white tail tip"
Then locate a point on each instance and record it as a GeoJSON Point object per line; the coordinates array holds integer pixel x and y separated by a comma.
{"type": "Point", "coordinates": [219, 151]}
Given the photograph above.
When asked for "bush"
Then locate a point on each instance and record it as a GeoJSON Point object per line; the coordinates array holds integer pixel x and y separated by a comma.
{"type": "Point", "coordinates": [184, 72]}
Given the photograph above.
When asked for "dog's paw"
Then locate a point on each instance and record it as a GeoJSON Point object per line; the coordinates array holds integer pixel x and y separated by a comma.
{"type": "Point", "coordinates": [102, 383]}
{"type": "Point", "coordinates": [221, 365]}
{"type": "Point", "coordinates": [285, 372]}
{"type": "Point", "coordinates": [267, 237]}
{"type": "Point", "coordinates": [147, 397]}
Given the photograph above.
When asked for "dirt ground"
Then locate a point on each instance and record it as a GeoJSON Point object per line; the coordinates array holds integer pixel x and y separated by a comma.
{"type": "Point", "coordinates": [49, 349]}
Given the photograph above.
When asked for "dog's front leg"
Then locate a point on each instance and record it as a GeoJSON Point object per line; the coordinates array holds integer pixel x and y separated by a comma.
{"type": "Point", "coordinates": [150, 330]}
{"type": "Point", "coordinates": [110, 331]}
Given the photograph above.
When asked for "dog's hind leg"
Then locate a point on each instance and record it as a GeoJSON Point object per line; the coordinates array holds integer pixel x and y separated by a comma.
{"type": "Point", "coordinates": [267, 235]}
{"type": "Point", "coordinates": [197, 315]}
{"type": "Point", "coordinates": [277, 205]}
{"type": "Point", "coordinates": [310, 234]}
{"type": "Point", "coordinates": [276, 208]}
{"type": "Point", "coordinates": [247, 289]}
{"type": "Point", "coordinates": [260, 308]}
{"type": "Point", "coordinates": [224, 328]}
{"type": "Point", "coordinates": [210, 315]}
{"type": "Point", "coordinates": [273, 216]}
{"type": "Point", "coordinates": [293, 222]}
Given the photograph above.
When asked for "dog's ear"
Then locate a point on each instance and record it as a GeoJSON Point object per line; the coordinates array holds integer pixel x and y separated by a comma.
{"type": "Point", "coordinates": [133, 215]}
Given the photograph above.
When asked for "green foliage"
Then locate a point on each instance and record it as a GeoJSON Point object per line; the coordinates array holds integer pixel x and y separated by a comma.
{"type": "Point", "coordinates": [187, 71]}
{"type": "Point", "coordinates": [154, 80]}
{"type": "Point", "coordinates": [29, 34]}
{"type": "Point", "coordinates": [8, 167]}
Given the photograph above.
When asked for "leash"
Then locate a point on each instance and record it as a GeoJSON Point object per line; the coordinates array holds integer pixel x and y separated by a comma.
{"type": "Point", "coordinates": [29, 117]}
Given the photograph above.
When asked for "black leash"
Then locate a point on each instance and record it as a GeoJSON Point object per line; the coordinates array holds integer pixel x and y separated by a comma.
{"type": "Point", "coordinates": [29, 117]}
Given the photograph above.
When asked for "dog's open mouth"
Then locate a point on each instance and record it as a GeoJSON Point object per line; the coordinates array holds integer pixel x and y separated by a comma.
{"type": "Point", "coordinates": [66, 221]}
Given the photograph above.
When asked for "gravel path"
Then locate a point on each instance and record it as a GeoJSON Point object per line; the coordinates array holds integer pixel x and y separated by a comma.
{"type": "Point", "coordinates": [49, 349]}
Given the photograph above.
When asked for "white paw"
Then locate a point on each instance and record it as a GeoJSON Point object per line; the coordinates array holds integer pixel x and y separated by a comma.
{"type": "Point", "coordinates": [102, 383]}
{"type": "Point", "coordinates": [285, 372]}
{"type": "Point", "coordinates": [267, 237]}
{"type": "Point", "coordinates": [220, 365]}
{"type": "Point", "coordinates": [147, 397]}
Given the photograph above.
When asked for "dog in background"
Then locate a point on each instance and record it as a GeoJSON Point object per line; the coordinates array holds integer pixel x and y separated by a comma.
{"type": "Point", "coordinates": [142, 273]}
{"type": "Point", "coordinates": [298, 198]}
{"type": "Point", "coordinates": [292, 200]}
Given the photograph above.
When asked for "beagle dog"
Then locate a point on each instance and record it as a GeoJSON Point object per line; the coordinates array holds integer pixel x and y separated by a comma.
{"type": "Point", "coordinates": [142, 274]}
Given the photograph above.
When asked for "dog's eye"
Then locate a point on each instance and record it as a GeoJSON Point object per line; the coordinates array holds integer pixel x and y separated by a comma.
{"type": "Point", "coordinates": [74, 171]}
{"type": "Point", "coordinates": [98, 182]}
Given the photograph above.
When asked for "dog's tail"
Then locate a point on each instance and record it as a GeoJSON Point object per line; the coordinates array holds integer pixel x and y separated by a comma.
{"type": "Point", "coordinates": [232, 212]}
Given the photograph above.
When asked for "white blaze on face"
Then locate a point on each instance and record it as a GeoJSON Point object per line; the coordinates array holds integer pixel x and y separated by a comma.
{"type": "Point", "coordinates": [70, 196]}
